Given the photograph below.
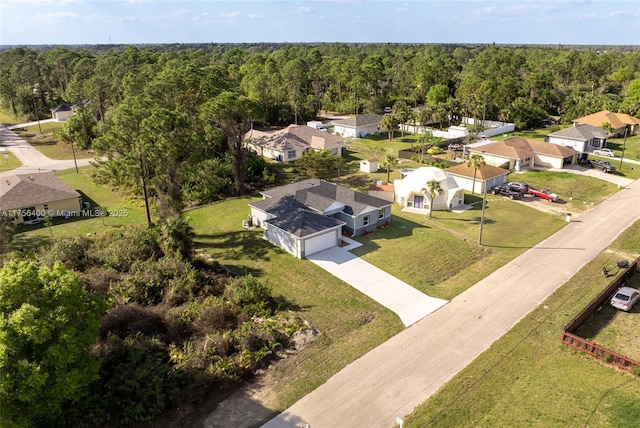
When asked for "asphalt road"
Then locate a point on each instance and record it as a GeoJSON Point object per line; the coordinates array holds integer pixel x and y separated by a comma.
{"type": "Point", "coordinates": [392, 379]}
{"type": "Point", "coordinates": [32, 160]}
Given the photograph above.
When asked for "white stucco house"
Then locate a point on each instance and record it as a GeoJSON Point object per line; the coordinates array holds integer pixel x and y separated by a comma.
{"type": "Point", "coordinates": [517, 153]}
{"type": "Point", "coordinates": [360, 126]}
{"type": "Point", "coordinates": [64, 111]}
{"type": "Point", "coordinates": [409, 191]}
{"type": "Point", "coordinates": [620, 122]}
{"type": "Point", "coordinates": [290, 143]}
{"type": "Point", "coordinates": [583, 138]}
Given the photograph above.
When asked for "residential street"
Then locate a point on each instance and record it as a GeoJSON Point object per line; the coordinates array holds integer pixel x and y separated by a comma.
{"type": "Point", "coordinates": [391, 380]}
{"type": "Point", "coordinates": [32, 160]}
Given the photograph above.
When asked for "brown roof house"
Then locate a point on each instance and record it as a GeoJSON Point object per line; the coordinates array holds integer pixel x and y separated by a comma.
{"type": "Point", "coordinates": [309, 216]}
{"type": "Point", "coordinates": [517, 153]}
{"type": "Point", "coordinates": [618, 121]}
{"type": "Point", "coordinates": [30, 196]}
{"type": "Point", "coordinates": [486, 175]}
{"type": "Point", "coordinates": [290, 143]}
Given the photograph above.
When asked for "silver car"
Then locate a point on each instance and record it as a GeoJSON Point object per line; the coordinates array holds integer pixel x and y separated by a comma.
{"type": "Point", "coordinates": [625, 298]}
{"type": "Point", "coordinates": [604, 152]}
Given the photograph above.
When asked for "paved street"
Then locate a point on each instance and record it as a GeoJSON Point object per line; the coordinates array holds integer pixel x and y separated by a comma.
{"type": "Point", "coordinates": [392, 379]}
{"type": "Point", "coordinates": [32, 160]}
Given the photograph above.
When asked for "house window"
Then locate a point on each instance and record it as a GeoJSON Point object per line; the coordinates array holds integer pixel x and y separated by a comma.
{"type": "Point", "coordinates": [365, 221]}
{"type": "Point", "coordinates": [380, 214]}
{"type": "Point", "coordinates": [291, 154]}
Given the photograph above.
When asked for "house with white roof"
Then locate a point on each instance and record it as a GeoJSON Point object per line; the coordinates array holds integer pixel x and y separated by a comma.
{"type": "Point", "coordinates": [359, 126]}
{"type": "Point", "coordinates": [290, 143]}
{"type": "Point", "coordinates": [410, 193]}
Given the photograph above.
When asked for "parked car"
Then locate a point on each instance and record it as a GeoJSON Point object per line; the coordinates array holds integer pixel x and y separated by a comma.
{"type": "Point", "coordinates": [520, 186]}
{"type": "Point", "coordinates": [435, 151]}
{"type": "Point", "coordinates": [454, 146]}
{"type": "Point", "coordinates": [604, 152]}
{"type": "Point", "coordinates": [388, 109]}
{"type": "Point", "coordinates": [625, 298]}
{"type": "Point", "coordinates": [602, 165]}
{"type": "Point", "coordinates": [543, 194]}
{"type": "Point", "coordinates": [505, 190]}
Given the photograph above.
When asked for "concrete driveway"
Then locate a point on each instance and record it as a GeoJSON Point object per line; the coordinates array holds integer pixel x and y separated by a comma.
{"type": "Point", "coordinates": [392, 379]}
{"type": "Point", "coordinates": [408, 303]}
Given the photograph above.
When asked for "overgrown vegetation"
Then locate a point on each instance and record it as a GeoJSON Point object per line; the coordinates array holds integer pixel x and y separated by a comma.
{"type": "Point", "coordinates": [174, 328]}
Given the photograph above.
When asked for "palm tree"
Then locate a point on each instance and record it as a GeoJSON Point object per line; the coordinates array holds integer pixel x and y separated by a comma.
{"type": "Point", "coordinates": [389, 122]}
{"type": "Point", "coordinates": [432, 189]}
{"type": "Point", "coordinates": [475, 162]}
{"type": "Point", "coordinates": [389, 162]}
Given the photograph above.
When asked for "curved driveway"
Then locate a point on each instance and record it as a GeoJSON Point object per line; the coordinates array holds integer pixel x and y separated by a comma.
{"type": "Point", "coordinates": [32, 160]}
{"type": "Point", "coordinates": [392, 379]}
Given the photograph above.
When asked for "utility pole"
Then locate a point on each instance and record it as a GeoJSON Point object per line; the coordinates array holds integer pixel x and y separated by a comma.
{"type": "Point", "coordinates": [484, 204]}
{"type": "Point", "coordinates": [624, 145]}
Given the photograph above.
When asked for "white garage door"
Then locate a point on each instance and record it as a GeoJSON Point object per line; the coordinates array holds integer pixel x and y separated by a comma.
{"type": "Point", "coordinates": [319, 243]}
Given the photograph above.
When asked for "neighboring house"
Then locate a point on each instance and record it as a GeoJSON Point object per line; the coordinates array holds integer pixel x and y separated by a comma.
{"type": "Point", "coordinates": [582, 138]}
{"type": "Point", "coordinates": [517, 153]}
{"type": "Point", "coordinates": [311, 215]}
{"type": "Point", "coordinates": [369, 165]}
{"type": "Point", "coordinates": [486, 174]}
{"type": "Point", "coordinates": [31, 196]}
{"type": "Point", "coordinates": [618, 121]}
{"type": "Point", "coordinates": [359, 126]}
{"type": "Point", "coordinates": [65, 110]}
{"type": "Point", "coordinates": [383, 191]}
{"type": "Point", "coordinates": [409, 191]}
{"type": "Point", "coordinates": [290, 143]}
{"type": "Point", "coordinates": [62, 112]}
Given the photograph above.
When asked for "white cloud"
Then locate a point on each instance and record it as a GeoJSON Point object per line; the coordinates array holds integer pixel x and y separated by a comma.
{"type": "Point", "coordinates": [233, 14]}
{"type": "Point", "coordinates": [402, 9]}
{"type": "Point", "coordinates": [303, 9]}
{"type": "Point", "coordinates": [57, 15]}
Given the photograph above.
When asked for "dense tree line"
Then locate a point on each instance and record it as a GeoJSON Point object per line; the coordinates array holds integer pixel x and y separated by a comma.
{"type": "Point", "coordinates": [171, 121]}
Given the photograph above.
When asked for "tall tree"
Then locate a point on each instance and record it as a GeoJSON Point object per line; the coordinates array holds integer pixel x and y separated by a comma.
{"type": "Point", "coordinates": [48, 322]}
{"type": "Point", "coordinates": [233, 115]}
{"type": "Point", "coordinates": [389, 162]}
{"type": "Point", "coordinates": [389, 123]}
{"type": "Point", "coordinates": [475, 162]}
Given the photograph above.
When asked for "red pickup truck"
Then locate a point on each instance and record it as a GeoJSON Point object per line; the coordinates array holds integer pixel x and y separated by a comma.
{"type": "Point", "coordinates": [543, 194]}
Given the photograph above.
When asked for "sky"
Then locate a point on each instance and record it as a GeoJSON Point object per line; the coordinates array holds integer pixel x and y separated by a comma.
{"type": "Point", "coordinates": [566, 22]}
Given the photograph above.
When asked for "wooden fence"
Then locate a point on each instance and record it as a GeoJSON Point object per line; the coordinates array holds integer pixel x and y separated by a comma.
{"type": "Point", "coordinates": [571, 339]}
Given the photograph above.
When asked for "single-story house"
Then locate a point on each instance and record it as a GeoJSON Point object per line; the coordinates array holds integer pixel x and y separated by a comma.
{"type": "Point", "coordinates": [583, 138]}
{"type": "Point", "coordinates": [312, 215]}
{"type": "Point", "coordinates": [410, 193]}
{"type": "Point", "coordinates": [383, 191]}
{"type": "Point", "coordinates": [488, 175]}
{"type": "Point", "coordinates": [618, 121]}
{"type": "Point", "coordinates": [290, 143]}
{"type": "Point", "coordinates": [517, 153]}
{"type": "Point", "coordinates": [31, 196]}
{"type": "Point", "coordinates": [64, 111]}
{"type": "Point", "coordinates": [360, 126]}
{"type": "Point", "coordinates": [369, 165]}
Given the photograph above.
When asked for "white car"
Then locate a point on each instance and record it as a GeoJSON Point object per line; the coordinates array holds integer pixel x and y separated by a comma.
{"type": "Point", "coordinates": [625, 298]}
{"type": "Point", "coordinates": [604, 152]}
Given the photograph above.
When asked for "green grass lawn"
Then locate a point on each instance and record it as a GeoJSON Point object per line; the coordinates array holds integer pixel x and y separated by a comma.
{"type": "Point", "coordinates": [9, 119]}
{"type": "Point", "coordinates": [528, 378]}
{"type": "Point", "coordinates": [125, 211]}
{"type": "Point", "coordinates": [8, 161]}
{"type": "Point", "coordinates": [49, 144]}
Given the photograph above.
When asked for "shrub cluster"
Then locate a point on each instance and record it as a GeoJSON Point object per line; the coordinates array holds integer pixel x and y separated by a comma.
{"type": "Point", "coordinates": [175, 325]}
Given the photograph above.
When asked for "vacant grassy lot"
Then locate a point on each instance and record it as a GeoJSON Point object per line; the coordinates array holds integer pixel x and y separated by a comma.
{"type": "Point", "coordinates": [528, 378]}
{"type": "Point", "coordinates": [8, 119]}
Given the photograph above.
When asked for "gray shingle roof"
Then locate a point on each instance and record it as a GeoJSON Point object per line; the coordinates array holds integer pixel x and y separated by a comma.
{"type": "Point", "coordinates": [303, 223]}
{"type": "Point", "coordinates": [582, 132]}
{"type": "Point", "coordinates": [27, 190]}
{"type": "Point", "coordinates": [359, 120]}
{"type": "Point", "coordinates": [295, 136]}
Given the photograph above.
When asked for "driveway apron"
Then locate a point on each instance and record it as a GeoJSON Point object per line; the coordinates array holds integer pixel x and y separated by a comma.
{"type": "Point", "coordinates": [408, 303]}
